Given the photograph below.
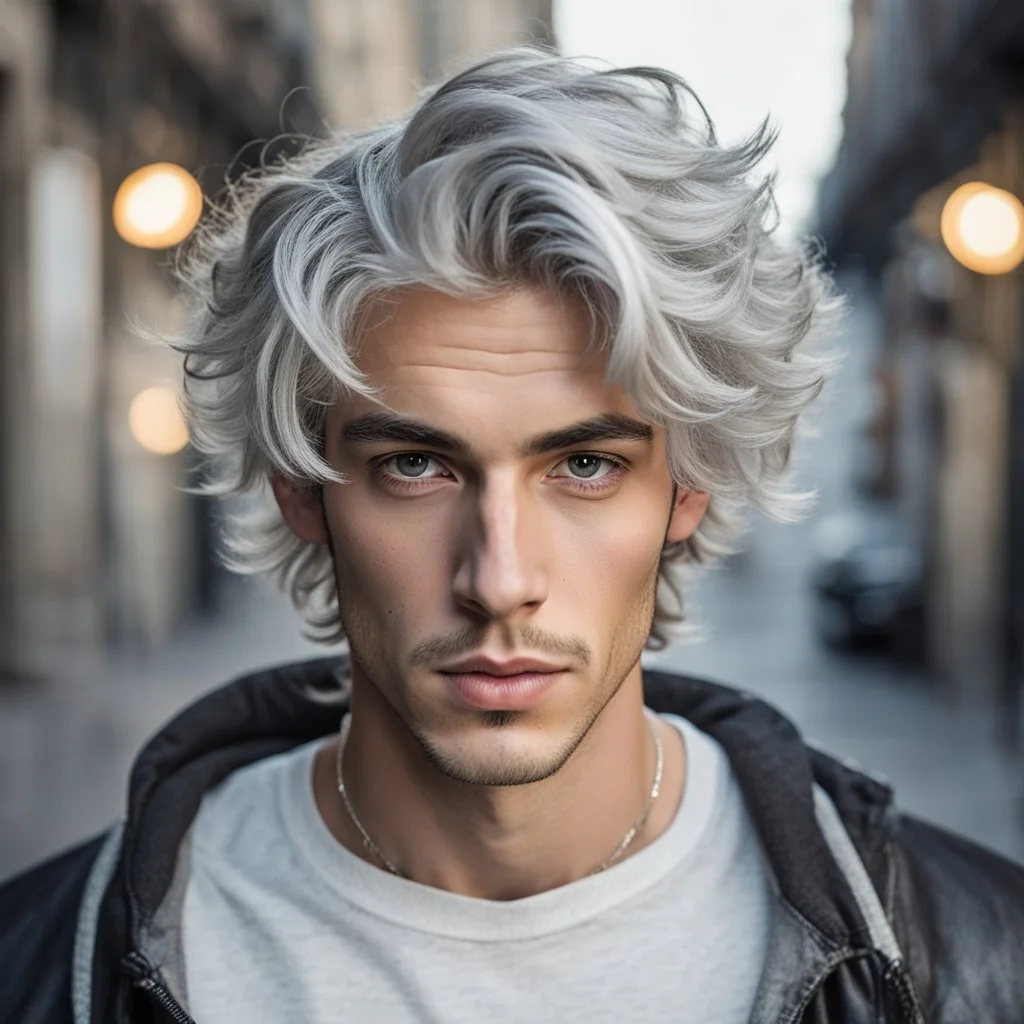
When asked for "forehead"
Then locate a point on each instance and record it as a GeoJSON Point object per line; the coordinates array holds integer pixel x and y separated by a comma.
{"type": "Point", "coordinates": [518, 332]}
{"type": "Point", "coordinates": [490, 369]}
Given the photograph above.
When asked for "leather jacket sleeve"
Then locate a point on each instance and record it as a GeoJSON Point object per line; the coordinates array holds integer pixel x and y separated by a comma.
{"type": "Point", "coordinates": [38, 919]}
{"type": "Point", "coordinates": [958, 915]}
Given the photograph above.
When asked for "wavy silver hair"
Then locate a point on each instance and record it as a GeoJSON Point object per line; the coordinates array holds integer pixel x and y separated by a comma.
{"type": "Point", "coordinates": [605, 184]}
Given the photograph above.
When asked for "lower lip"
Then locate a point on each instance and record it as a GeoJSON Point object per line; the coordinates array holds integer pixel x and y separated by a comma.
{"type": "Point", "coordinates": [484, 692]}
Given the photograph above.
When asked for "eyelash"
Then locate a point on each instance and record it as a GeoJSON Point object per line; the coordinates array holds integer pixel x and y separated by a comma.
{"type": "Point", "coordinates": [604, 483]}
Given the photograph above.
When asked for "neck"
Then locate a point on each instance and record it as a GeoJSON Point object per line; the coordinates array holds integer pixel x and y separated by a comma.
{"type": "Point", "coordinates": [499, 842]}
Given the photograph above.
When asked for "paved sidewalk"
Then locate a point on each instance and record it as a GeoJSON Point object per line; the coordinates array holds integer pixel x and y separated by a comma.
{"type": "Point", "coordinates": [66, 745]}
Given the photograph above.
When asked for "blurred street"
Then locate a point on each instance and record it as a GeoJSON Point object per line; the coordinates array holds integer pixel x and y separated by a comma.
{"type": "Point", "coordinates": [889, 718]}
{"type": "Point", "coordinates": [66, 745]}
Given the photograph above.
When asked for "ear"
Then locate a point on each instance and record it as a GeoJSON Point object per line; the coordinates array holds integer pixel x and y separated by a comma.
{"type": "Point", "coordinates": [687, 512]}
{"type": "Point", "coordinates": [302, 508]}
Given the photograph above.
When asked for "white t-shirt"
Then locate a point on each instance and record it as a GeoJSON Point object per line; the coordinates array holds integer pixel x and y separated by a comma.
{"type": "Point", "coordinates": [283, 925]}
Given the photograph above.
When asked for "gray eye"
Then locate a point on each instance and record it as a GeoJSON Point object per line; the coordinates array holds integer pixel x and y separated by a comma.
{"type": "Point", "coordinates": [412, 464]}
{"type": "Point", "coordinates": [584, 466]}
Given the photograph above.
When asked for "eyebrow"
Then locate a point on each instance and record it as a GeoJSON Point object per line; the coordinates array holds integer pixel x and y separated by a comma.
{"type": "Point", "coordinates": [377, 427]}
{"type": "Point", "coordinates": [607, 427]}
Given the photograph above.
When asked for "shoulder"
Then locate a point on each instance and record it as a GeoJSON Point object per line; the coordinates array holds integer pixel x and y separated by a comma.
{"type": "Point", "coordinates": [39, 912]}
{"type": "Point", "coordinates": [956, 908]}
{"type": "Point", "coordinates": [958, 914]}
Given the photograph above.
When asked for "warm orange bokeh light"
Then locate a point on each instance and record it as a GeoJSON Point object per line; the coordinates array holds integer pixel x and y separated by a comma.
{"type": "Point", "coordinates": [157, 206]}
{"type": "Point", "coordinates": [983, 228]}
{"type": "Point", "coordinates": [156, 423]}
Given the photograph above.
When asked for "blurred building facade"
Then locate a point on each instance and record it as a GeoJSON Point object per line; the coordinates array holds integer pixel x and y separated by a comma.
{"type": "Point", "coordinates": [99, 541]}
{"type": "Point", "coordinates": [372, 56]}
{"type": "Point", "coordinates": [99, 544]}
{"type": "Point", "coordinates": [936, 99]}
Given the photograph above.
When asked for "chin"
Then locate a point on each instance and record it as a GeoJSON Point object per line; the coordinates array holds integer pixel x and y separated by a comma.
{"type": "Point", "coordinates": [497, 754]}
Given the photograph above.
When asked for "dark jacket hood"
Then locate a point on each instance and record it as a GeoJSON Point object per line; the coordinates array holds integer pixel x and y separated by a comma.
{"type": "Point", "coordinates": [272, 711]}
{"type": "Point", "coordinates": [866, 898]}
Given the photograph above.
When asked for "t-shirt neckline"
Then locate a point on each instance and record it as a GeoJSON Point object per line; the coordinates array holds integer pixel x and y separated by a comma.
{"type": "Point", "coordinates": [425, 908]}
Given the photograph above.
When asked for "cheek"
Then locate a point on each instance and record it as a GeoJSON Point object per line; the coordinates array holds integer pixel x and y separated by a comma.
{"type": "Point", "coordinates": [609, 560]}
{"type": "Point", "coordinates": [391, 564]}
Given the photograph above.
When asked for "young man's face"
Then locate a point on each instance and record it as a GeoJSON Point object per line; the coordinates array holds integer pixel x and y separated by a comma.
{"type": "Point", "coordinates": [468, 529]}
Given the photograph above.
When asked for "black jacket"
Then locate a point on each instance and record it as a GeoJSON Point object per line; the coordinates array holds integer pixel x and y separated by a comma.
{"type": "Point", "coordinates": [878, 917]}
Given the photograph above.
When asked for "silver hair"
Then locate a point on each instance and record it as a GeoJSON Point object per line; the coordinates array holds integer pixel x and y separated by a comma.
{"type": "Point", "coordinates": [526, 168]}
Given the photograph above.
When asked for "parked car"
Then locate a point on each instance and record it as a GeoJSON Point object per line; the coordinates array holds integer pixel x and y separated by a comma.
{"type": "Point", "coordinates": [868, 583]}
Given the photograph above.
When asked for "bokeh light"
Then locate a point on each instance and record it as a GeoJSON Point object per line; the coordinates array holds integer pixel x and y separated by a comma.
{"type": "Point", "coordinates": [983, 228]}
{"type": "Point", "coordinates": [157, 206]}
{"type": "Point", "coordinates": [156, 422]}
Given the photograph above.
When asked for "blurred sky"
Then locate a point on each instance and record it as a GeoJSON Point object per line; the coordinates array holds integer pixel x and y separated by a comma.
{"type": "Point", "coordinates": [746, 59]}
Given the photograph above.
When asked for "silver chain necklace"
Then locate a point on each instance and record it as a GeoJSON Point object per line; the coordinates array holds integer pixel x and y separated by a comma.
{"type": "Point", "coordinates": [375, 851]}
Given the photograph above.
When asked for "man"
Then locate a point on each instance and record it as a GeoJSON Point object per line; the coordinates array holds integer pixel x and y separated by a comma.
{"type": "Point", "coordinates": [491, 371]}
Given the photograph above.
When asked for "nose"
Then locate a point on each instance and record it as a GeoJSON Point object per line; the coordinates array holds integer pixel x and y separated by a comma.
{"type": "Point", "coordinates": [500, 572]}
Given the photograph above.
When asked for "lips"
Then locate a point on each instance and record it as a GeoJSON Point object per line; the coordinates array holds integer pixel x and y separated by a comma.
{"type": "Point", "coordinates": [483, 684]}
{"type": "Point", "coordinates": [492, 667]}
